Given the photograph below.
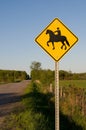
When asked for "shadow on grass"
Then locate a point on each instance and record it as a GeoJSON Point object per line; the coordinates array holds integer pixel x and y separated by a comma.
{"type": "Point", "coordinates": [41, 103]}
{"type": "Point", "coordinates": [67, 124]}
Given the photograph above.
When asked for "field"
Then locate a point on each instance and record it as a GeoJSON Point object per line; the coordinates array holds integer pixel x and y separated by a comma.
{"type": "Point", "coordinates": [74, 83]}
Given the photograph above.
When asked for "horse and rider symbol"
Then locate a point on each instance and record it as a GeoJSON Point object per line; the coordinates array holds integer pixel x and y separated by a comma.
{"type": "Point", "coordinates": [53, 37]}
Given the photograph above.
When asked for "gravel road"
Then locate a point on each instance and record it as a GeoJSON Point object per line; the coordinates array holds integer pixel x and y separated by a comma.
{"type": "Point", "coordinates": [10, 95]}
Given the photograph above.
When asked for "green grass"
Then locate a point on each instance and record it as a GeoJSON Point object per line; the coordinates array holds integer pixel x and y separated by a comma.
{"type": "Point", "coordinates": [37, 112]}
{"type": "Point", "coordinates": [74, 83]}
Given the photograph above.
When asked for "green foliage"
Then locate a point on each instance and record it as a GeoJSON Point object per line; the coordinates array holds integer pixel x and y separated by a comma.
{"type": "Point", "coordinates": [12, 76]}
{"type": "Point", "coordinates": [37, 114]}
{"type": "Point", "coordinates": [26, 121]}
{"type": "Point", "coordinates": [35, 65]}
{"type": "Point", "coordinates": [44, 76]}
{"type": "Point", "coordinates": [48, 76]}
{"type": "Point", "coordinates": [73, 96]}
{"type": "Point", "coordinates": [65, 75]}
{"type": "Point", "coordinates": [38, 110]}
{"type": "Point", "coordinates": [72, 103]}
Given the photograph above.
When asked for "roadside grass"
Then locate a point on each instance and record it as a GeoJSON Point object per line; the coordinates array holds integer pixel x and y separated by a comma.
{"type": "Point", "coordinates": [37, 112]}
{"type": "Point", "coordinates": [72, 102]}
{"type": "Point", "coordinates": [75, 83]}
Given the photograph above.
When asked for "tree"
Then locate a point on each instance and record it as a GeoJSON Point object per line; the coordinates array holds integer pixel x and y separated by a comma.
{"type": "Point", "coordinates": [35, 70]}
{"type": "Point", "coordinates": [35, 65]}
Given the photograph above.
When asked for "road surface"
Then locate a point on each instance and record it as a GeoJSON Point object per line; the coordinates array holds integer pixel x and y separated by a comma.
{"type": "Point", "coordinates": [10, 95]}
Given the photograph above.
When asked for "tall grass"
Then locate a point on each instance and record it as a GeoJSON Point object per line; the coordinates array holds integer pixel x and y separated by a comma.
{"type": "Point", "coordinates": [35, 113]}
{"type": "Point", "coordinates": [38, 112]}
{"type": "Point", "coordinates": [75, 83]}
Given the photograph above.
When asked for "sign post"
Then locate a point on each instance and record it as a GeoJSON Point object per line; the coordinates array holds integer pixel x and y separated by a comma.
{"type": "Point", "coordinates": [56, 39]}
{"type": "Point", "coordinates": [56, 95]}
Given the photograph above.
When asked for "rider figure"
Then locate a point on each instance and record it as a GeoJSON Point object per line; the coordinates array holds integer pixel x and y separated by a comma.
{"type": "Point", "coordinates": [58, 31]}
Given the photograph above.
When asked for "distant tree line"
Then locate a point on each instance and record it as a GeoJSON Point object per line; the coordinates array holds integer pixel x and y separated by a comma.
{"type": "Point", "coordinates": [68, 75]}
{"type": "Point", "coordinates": [47, 76]}
{"type": "Point", "coordinates": [12, 76]}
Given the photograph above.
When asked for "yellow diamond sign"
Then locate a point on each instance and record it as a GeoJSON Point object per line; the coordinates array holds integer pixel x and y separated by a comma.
{"type": "Point", "coordinates": [56, 39]}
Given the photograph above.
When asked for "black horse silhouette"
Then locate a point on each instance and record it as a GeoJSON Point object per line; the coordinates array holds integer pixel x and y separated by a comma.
{"type": "Point", "coordinates": [56, 38]}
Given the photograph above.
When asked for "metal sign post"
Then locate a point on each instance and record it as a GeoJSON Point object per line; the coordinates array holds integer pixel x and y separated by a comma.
{"type": "Point", "coordinates": [56, 95]}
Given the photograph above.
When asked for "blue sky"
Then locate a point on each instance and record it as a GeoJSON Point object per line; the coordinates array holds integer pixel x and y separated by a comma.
{"type": "Point", "coordinates": [22, 20]}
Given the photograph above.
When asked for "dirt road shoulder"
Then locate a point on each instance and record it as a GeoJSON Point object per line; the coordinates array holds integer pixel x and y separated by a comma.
{"type": "Point", "coordinates": [10, 97]}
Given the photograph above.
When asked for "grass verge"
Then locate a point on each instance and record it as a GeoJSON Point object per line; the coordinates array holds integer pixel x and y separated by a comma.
{"type": "Point", "coordinates": [36, 113]}
{"type": "Point", "coordinates": [75, 83]}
